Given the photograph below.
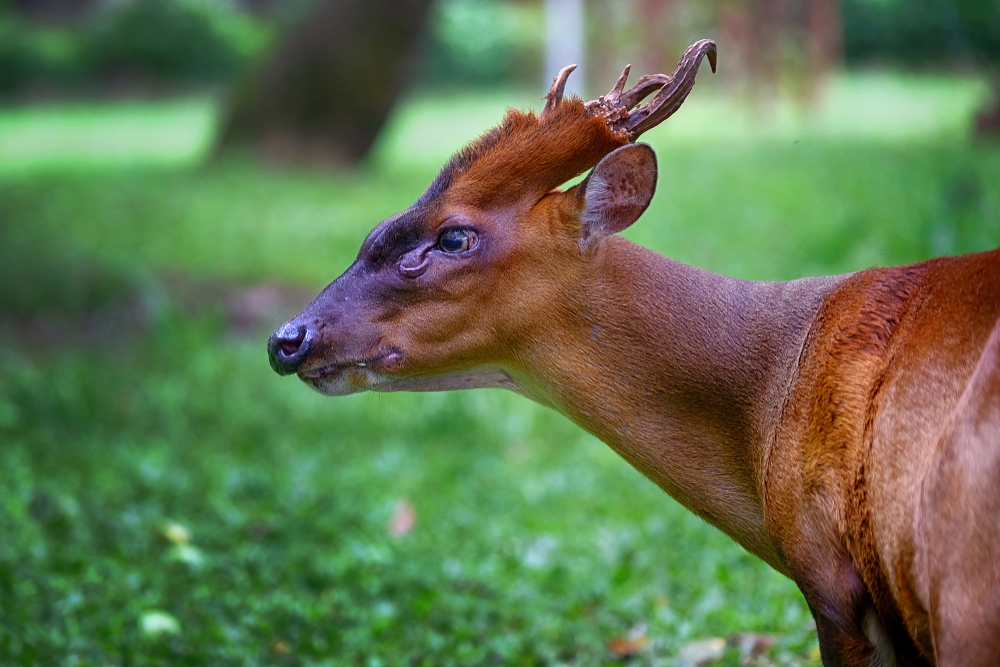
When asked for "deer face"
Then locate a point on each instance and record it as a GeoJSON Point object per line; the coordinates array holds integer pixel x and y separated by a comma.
{"type": "Point", "coordinates": [445, 294]}
{"type": "Point", "coordinates": [415, 306]}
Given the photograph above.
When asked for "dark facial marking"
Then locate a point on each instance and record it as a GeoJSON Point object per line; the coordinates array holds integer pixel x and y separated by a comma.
{"type": "Point", "coordinates": [395, 237]}
{"type": "Point", "coordinates": [461, 161]}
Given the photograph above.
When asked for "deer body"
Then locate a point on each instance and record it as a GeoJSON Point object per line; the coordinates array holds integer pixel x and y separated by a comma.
{"type": "Point", "coordinates": [846, 430]}
{"type": "Point", "coordinates": [886, 491]}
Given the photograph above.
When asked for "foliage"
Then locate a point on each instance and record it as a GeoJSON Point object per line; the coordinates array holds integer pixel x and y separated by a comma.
{"type": "Point", "coordinates": [139, 40]}
{"type": "Point", "coordinates": [922, 32]}
{"type": "Point", "coordinates": [173, 40]}
{"type": "Point", "coordinates": [481, 42]}
{"type": "Point", "coordinates": [166, 499]}
{"type": "Point", "coordinates": [162, 41]}
{"type": "Point", "coordinates": [468, 42]}
{"type": "Point", "coordinates": [30, 53]}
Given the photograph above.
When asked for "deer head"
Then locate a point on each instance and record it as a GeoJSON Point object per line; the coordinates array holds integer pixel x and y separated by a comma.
{"type": "Point", "coordinates": [451, 292]}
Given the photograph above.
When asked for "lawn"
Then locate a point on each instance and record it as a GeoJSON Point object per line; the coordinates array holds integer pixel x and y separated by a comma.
{"type": "Point", "coordinates": [166, 499]}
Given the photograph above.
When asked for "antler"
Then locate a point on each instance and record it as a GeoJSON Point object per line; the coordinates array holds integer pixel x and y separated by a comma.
{"type": "Point", "coordinates": [673, 91]}
{"type": "Point", "coordinates": [616, 106]}
{"type": "Point", "coordinates": [555, 95]}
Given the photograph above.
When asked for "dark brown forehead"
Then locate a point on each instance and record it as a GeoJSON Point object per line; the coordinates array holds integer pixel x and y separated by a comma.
{"type": "Point", "coordinates": [524, 157]}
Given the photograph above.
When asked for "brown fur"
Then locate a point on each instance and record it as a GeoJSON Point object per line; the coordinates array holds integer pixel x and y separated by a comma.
{"type": "Point", "coordinates": [525, 157]}
{"type": "Point", "coordinates": [888, 358]}
{"type": "Point", "coordinates": [846, 429]}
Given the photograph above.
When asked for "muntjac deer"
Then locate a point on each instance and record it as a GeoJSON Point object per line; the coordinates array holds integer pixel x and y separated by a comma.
{"type": "Point", "coordinates": [846, 430]}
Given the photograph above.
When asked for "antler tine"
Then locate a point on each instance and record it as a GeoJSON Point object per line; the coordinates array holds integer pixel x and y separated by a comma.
{"type": "Point", "coordinates": [673, 91]}
{"type": "Point", "coordinates": [614, 95]}
{"type": "Point", "coordinates": [647, 84]}
{"type": "Point", "coordinates": [555, 95]}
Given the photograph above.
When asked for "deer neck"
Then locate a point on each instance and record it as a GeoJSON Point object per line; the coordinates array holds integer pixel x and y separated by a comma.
{"type": "Point", "coordinates": [683, 372]}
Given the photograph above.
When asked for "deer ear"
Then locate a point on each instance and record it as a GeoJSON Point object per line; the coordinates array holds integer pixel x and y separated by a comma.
{"type": "Point", "coordinates": [616, 192]}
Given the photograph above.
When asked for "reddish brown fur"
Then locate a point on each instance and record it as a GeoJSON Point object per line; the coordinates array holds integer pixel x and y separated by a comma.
{"type": "Point", "coordinates": [887, 361]}
{"type": "Point", "coordinates": [525, 158]}
{"type": "Point", "coordinates": [846, 429]}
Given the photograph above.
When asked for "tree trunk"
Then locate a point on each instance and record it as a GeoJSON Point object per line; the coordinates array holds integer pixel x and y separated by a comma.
{"type": "Point", "coordinates": [987, 123]}
{"type": "Point", "coordinates": [330, 85]}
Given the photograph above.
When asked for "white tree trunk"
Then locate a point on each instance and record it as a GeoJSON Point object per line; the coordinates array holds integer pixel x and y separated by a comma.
{"type": "Point", "coordinates": [565, 35]}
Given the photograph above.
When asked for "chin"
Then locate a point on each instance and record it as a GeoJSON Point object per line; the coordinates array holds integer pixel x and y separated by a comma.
{"type": "Point", "coordinates": [345, 382]}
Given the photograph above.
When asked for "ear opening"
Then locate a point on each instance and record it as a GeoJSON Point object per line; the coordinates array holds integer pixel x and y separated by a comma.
{"type": "Point", "coordinates": [616, 192]}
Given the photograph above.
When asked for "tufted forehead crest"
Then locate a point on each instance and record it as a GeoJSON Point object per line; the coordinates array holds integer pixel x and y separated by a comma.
{"type": "Point", "coordinates": [525, 157]}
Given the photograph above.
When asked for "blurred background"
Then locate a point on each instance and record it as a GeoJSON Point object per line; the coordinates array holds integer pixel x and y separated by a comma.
{"type": "Point", "coordinates": [177, 177]}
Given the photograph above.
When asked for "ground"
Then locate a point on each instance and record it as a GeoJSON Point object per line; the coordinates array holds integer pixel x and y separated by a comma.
{"type": "Point", "coordinates": [166, 499]}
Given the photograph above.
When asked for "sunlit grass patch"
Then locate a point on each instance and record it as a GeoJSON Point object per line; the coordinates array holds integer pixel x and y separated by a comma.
{"type": "Point", "coordinates": [96, 135]}
{"type": "Point", "coordinates": [876, 106]}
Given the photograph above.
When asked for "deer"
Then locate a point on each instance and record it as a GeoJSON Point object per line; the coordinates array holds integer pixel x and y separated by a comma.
{"type": "Point", "coordinates": [843, 429]}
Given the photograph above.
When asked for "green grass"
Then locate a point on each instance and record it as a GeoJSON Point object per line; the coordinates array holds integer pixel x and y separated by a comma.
{"type": "Point", "coordinates": [533, 543]}
{"type": "Point", "coordinates": [85, 136]}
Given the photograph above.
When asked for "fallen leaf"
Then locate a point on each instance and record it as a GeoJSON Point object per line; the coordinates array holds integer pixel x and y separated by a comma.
{"type": "Point", "coordinates": [176, 533]}
{"type": "Point", "coordinates": [154, 622]}
{"type": "Point", "coordinates": [186, 553]}
{"type": "Point", "coordinates": [403, 518]}
{"type": "Point", "coordinates": [635, 641]}
{"type": "Point", "coordinates": [702, 652]}
{"type": "Point", "coordinates": [622, 648]}
{"type": "Point", "coordinates": [752, 645]}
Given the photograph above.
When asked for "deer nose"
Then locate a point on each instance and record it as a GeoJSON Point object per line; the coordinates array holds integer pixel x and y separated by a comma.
{"type": "Point", "coordinates": [287, 348]}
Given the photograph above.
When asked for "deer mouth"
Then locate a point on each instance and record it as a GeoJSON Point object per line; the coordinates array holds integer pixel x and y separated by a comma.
{"type": "Point", "coordinates": [347, 377]}
{"type": "Point", "coordinates": [378, 362]}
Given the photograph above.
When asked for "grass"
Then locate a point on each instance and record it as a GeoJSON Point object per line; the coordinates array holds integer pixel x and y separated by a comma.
{"type": "Point", "coordinates": [87, 136]}
{"type": "Point", "coordinates": [166, 499]}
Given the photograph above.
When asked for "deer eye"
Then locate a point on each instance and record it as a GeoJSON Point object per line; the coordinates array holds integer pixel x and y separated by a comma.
{"type": "Point", "coordinates": [456, 240]}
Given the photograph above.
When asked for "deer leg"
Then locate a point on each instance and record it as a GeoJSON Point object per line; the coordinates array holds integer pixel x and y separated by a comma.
{"type": "Point", "coordinates": [852, 635]}
{"type": "Point", "coordinates": [849, 629]}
